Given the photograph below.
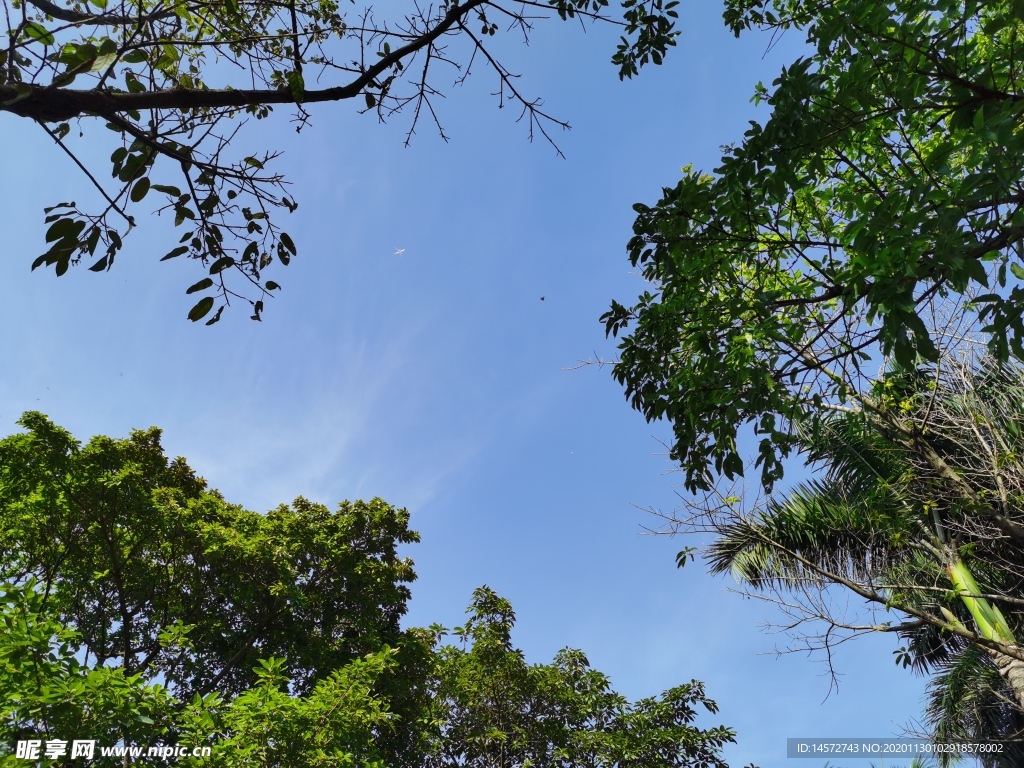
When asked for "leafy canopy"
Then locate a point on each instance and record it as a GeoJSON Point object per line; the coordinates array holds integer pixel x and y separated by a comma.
{"type": "Point", "coordinates": [50, 694]}
{"type": "Point", "coordinates": [161, 577]}
{"type": "Point", "coordinates": [173, 81]}
{"type": "Point", "coordinates": [922, 531]}
{"type": "Point", "coordinates": [498, 710]}
{"type": "Point", "coordinates": [137, 606]}
{"type": "Point", "coordinates": [885, 187]}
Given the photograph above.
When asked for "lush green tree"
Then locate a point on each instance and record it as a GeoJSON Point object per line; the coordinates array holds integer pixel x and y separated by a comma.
{"type": "Point", "coordinates": [881, 199]}
{"type": "Point", "coordinates": [889, 527]}
{"type": "Point", "coordinates": [138, 607]}
{"type": "Point", "coordinates": [51, 695]}
{"type": "Point", "coordinates": [172, 81]}
{"type": "Point", "coordinates": [163, 578]}
{"type": "Point", "coordinates": [497, 711]}
{"type": "Point", "coordinates": [48, 692]}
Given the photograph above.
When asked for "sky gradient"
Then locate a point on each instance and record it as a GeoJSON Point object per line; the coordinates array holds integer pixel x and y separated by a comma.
{"type": "Point", "coordinates": [438, 378]}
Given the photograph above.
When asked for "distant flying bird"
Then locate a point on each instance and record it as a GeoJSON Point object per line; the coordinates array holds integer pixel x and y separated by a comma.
{"type": "Point", "coordinates": [399, 251]}
{"type": "Point", "coordinates": [542, 298]}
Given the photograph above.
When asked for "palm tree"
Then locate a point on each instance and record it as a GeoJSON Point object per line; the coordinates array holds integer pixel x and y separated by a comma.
{"type": "Point", "coordinates": [901, 532]}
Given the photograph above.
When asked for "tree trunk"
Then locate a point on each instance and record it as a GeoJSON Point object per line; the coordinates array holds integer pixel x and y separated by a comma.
{"type": "Point", "coordinates": [1012, 671]}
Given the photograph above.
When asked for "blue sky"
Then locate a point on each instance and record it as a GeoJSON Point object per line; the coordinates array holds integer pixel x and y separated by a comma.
{"type": "Point", "coordinates": [437, 379]}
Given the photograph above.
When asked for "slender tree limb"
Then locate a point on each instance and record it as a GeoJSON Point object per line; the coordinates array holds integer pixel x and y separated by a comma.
{"type": "Point", "coordinates": [104, 19]}
{"type": "Point", "coordinates": [58, 104]}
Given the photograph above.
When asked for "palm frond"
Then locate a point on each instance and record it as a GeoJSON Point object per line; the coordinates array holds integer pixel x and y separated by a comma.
{"type": "Point", "coordinates": [968, 701]}
{"type": "Point", "coordinates": [818, 522]}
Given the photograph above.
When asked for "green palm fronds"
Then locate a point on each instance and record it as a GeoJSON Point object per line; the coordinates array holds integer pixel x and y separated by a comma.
{"type": "Point", "coordinates": [818, 522]}
{"type": "Point", "coordinates": [900, 527]}
{"type": "Point", "coordinates": [967, 702]}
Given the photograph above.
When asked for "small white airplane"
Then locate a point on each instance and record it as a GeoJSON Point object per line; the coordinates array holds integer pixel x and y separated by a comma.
{"type": "Point", "coordinates": [399, 251]}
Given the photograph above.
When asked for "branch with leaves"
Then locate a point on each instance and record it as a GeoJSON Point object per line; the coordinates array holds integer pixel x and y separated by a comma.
{"type": "Point", "coordinates": [174, 82]}
{"type": "Point", "coordinates": [885, 188]}
{"type": "Point", "coordinates": [917, 513]}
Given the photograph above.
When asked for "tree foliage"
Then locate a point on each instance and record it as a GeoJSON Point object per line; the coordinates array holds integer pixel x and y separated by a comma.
{"type": "Point", "coordinates": [173, 81]}
{"type": "Point", "coordinates": [51, 695]}
{"type": "Point", "coordinates": [925, 537]}
{"type": "Point", "coordinates": [498, 711]}
{"type": "Point", "coordinates": [138, 607]}
{"type": "Point", "coordinates": [885, 186]}
{"type": "Point", "coordinates": [164, 579]}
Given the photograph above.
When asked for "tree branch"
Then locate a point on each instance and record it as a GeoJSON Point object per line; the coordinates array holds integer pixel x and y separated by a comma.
{"type": "Point", "coordinates": [76, 17]}
{"type": "Point", "coordinates": [48, 104]}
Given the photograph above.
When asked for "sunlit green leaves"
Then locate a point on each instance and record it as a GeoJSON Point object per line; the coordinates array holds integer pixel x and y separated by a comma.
{"type": "Point", "coordinates": [881, 184]}
{"type": "Point", "coordinates": [49, 691]}
{"type": "Point", "coordinates": [296, 85]}
{"type": "Point", "coordinates": [138, 517]}
{"type": "Point", "coordinates": [102, 62]}
{"type": "Point", "coordinates": [38, 32]}
{"type": "Point", "coordinates": [276, 637]}
{"type": "Point", "coordinates": [497, 709]}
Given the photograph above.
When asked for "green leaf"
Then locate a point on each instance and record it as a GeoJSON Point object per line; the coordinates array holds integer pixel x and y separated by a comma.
{"type": "Point", "coordinates": [283, 255]}
{"type": "Point", "coordinates": [296, 85]}
{"type": "Point", "coordinates": [684, 555]}
{"type": "Point", "coordinates": [202, 285]}
{"type": "Point", "coordinates": [221, 264]}
{"type": "Point", "coordinates": [182, 212]}
{"type": "Point", "coordinates": [64, 229]}
{"type": "Point", "coordinates": [134, 86]}
{"type": "Point", "coordinates": [103, 62]}
{"type": "Point", "coordinates": [140, 189]}
{"type": "Point", "coordinates": [76, 54]}
{"type": "Point", "coordinates": [94, 239]}
{"type": "Point", "coordinates": [272, 286]}
{"type": "Point", "coordinates": [287, 242]}
{"type": "Point", "coordinates": [201, 309]}
{"type": "Point", "coordinates": [179, 251]}
{"type": "Point", "coordinates": [38, 32]}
